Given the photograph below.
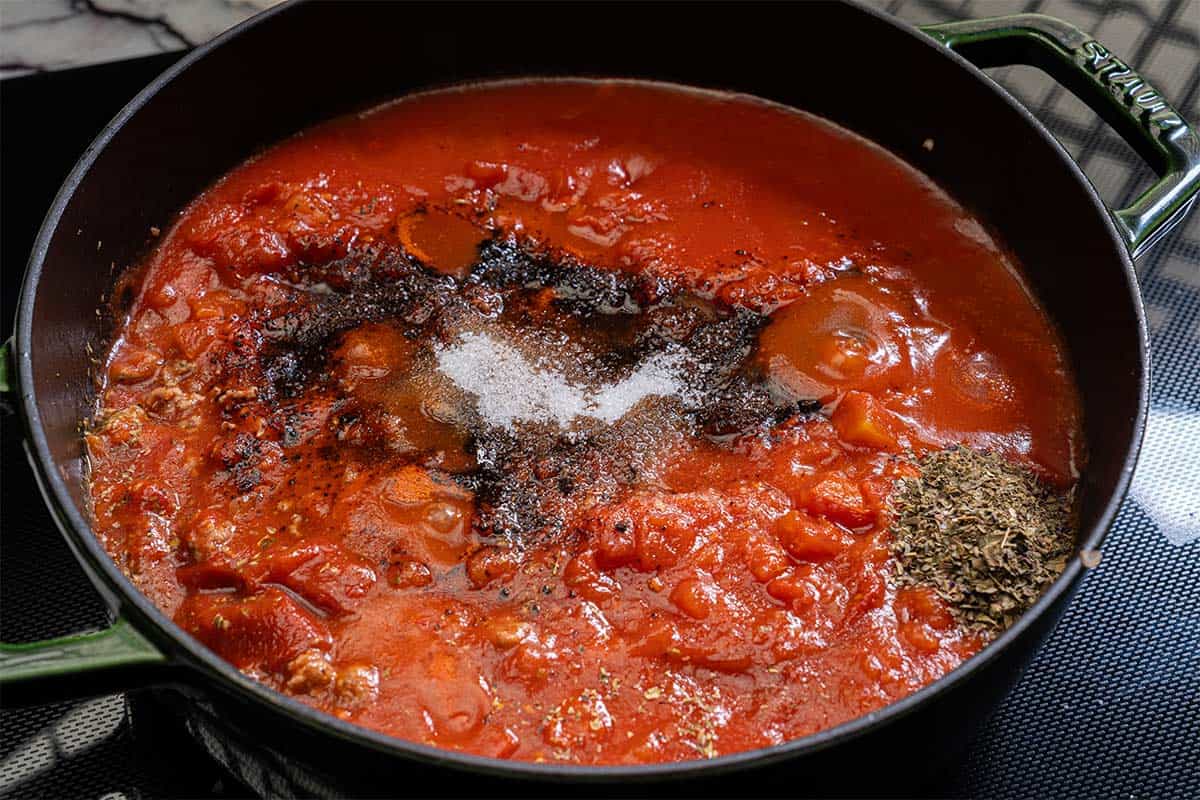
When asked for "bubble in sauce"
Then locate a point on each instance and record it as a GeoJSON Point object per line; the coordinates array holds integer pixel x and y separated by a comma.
{"type": "Point", "coordinates": [842, 335]}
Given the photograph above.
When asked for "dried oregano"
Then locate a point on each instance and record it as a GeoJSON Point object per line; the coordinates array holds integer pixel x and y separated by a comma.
{"type": "Point", "coordinates": [982, 532]}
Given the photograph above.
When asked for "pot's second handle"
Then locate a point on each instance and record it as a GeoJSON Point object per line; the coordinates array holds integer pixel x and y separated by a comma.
{"type": "Point", "coordinates": [82, 665]}
{"type": "Point", "coordinates": [1113, 90]}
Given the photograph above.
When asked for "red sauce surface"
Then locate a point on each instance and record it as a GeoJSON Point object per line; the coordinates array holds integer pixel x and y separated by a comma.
{"type": "Point", "coordinates": [736, 597]}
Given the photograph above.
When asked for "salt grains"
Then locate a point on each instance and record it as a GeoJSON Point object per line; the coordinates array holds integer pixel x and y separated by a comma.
{"type": "Point", "coordinates": [510, 388]}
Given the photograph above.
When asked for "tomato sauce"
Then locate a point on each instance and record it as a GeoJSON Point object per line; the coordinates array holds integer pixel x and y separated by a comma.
{"type": "Point", "coordinates": [377, 476]}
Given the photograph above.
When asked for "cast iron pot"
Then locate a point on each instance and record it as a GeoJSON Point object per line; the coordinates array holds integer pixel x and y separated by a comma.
{"type": "Point", "coordinates": [896, 85]}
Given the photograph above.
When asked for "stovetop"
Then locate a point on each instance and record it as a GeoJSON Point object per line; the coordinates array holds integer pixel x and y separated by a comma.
{"type": "Point", "coordinates": [1110, 705]}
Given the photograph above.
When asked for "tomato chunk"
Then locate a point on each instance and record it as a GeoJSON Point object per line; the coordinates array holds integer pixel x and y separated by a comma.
{"type": "Point", "coordinates": [837, 498]}
{"type": "Point", "coordinates": [264, 631]}
{"type": "Point", "coordinates": [810, 538]}
{"type": "Point", "coordinates": [859, 419]}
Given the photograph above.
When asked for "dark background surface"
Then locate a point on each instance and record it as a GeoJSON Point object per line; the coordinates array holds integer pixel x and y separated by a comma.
{"type": "Point", "coordinates": [1109, 708]}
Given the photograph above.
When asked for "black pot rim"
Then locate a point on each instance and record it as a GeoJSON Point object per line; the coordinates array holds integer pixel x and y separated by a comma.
{"type": "Point", "coordinates": [191, 656]}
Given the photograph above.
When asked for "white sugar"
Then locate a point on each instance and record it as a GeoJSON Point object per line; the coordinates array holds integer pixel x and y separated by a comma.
{"type": "Point", "coordinates": [512, 388]}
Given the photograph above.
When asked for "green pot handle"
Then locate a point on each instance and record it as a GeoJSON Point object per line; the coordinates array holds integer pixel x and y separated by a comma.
{"type": "Point", "coordinates": [8, 378]}
{"type": "Point", "coordinates": [82, 665]}
{"type": "Point", "coordinates": [1122, 97]}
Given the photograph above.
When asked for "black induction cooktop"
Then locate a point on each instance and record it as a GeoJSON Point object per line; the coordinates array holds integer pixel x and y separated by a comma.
{"type": "Point", "coordinates": [1110, 707]}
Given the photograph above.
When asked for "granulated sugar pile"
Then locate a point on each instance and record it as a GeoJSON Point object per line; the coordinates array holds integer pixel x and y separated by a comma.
{"type": "Point", "coordinates": [511, 388]}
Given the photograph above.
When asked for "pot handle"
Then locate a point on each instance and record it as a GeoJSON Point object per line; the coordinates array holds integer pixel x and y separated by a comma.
{"type": "Point", "coordinates": [1123, 98]}
{"type": "Point", "coordinates": [8, 376]}
{"type": "Point", "coordinates": [82, 665]}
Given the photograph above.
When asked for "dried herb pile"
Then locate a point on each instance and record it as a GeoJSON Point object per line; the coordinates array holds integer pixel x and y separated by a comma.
{"type": "Point", "coordinates": [982, 532]}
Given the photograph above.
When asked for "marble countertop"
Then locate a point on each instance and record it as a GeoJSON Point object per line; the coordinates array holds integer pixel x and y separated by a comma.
{"type": "Point", "coordinates": [40, 35]}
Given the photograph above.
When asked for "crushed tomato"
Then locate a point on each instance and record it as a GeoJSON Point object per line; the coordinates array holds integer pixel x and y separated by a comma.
{"type": "Point", "coordinates": [739, 599]}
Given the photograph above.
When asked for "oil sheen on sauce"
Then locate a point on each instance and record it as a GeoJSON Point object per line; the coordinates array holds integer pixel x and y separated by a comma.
{"type": "Point", "coordinates": [557, 420]}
